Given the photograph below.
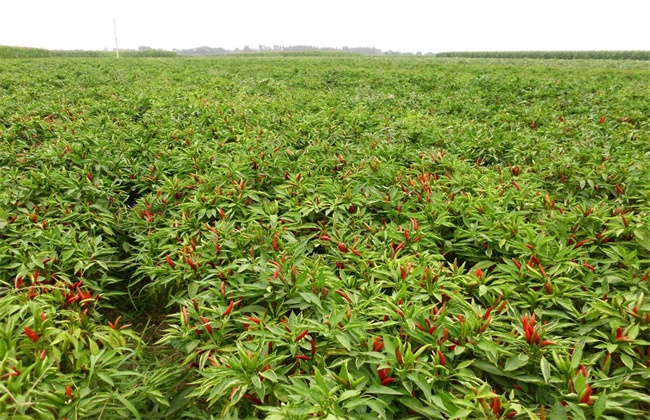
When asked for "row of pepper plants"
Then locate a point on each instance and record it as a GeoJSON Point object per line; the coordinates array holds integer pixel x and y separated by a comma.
{"type": "Point", "coordinates": [329, 238]}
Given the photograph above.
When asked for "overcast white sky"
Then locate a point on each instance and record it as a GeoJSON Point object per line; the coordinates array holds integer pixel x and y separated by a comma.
{"type": "Point", "coordinates": [404, 25]}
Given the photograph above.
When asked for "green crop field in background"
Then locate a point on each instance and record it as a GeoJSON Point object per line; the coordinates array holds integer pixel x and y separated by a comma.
{"type": "Point", "coordinates": [324, 237]}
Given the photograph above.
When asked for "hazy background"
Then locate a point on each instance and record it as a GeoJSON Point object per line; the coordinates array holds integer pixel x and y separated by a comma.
{"type": "Point", "coordinates": [405, 25]}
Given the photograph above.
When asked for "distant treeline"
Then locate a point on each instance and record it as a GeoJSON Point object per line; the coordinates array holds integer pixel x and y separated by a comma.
{"type": "Point", "coordinates": [280, 49]}
{"type": "Point", "coordinates": [24, 52]}
{"type": "Point", "coordinates": [310, 50]}
{"type": "Point", "coordinates": [562, 55]}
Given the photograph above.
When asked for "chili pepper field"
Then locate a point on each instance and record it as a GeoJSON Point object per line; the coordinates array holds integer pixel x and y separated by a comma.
{"type": "Point", "coordinates": [324, 237]}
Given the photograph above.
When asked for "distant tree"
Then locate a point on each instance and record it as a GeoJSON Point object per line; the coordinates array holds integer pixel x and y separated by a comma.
{"type": "Point", "coordinates": [144, 48]}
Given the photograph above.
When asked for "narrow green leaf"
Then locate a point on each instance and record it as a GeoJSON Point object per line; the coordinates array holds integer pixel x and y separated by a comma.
{"type": "Point", "coordinates": [546, 368]}
{"type": "Point", "coordinates": [600, 405]}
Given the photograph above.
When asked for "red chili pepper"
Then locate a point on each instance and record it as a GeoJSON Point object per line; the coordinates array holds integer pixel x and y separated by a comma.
{"type": "Point", "coordinates": [252, 399]}
{"type": "Point", "coordinates": [229, 309]}
{"type": "Point", "coordinates": [606, 363]}
{"type": "Point", "coordinates": [620, 336]}
{"type": "Point", "coordinates": [585, 398]}
{"type": "Point", "coordinates": [589, 266]}
{"type": "Point", "coordinates": [487, 313]}
{"type": "Point", "coordinates": [18, 281]}
{"type": "Point", "coordinates": [68, 391]}
{"type": "Point", "coordinates": [581, 243]}
{"type": "Point", "coordinates": [275, 242]}
{"type": "Point", "coordinates": [442, 359]}
{"type": "Point", "coordinates": [378, 345]}
{"type": "Point", "coordinates": [31, 334]}
{"type": "Point", "coordinates": [255, 320]}
{"type": "Point", "coordinates": [208, 327]}
{"type": "Point", "coordinates": [398, 356]}
{"type": "Point", "coordinates": [355, 252]}
{"type": "Point", "coordinates": [514, 260]}
{"type": "Point", "coordinates": [343, 295]}
{"type": "Point", "coordinates": [302, 335]}
{"type": "Point", "coordinates": [170, 262]}
{"type": "Point", "coordinates": [313, 347]}
{"type": "Point", "coordinates": [387, 381]}
{"type": "Point", "coordinates": [414, 224]}
{"type": "Point", "coordinates": [495, 405]}
{"type": "Point", "coordinates": [301, 357]}
{"type": "Point", "coordinates": [342, 247]}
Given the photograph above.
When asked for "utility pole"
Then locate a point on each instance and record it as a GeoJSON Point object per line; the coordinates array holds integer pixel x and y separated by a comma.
{"type": "Point", "coordinates": [117, 50]}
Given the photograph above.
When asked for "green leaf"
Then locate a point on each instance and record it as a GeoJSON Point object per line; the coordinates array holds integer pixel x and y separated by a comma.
{"type": "Point", "coordinates": [558, 412]}
{"type": "Point", "coordinates": [546, 368]}
{"type": "Point", "coordinates": [515, 362]}
{"type": "Point", "coordinates": [627, 361]}
{"type": "Point", "coordinates": [461, 414]}
{"type": "Point", "coordinates": [128, 405]}
{"type": "Point", "coordinates": [380, 389]}
{"type": "Point", "coordinates": [577, 354]}
{"type": "Point", "coordinates": [600, 405]}
{"type": "Point", "coordinates": [350, 393]}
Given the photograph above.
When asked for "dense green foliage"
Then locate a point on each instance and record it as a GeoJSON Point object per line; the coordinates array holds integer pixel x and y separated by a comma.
{"type": "Point", "coordinates": [342, 237]}
{"type": "Point", "coordinates": [23, 52]}
{"type": "Point", "coordinates": [562, 55]}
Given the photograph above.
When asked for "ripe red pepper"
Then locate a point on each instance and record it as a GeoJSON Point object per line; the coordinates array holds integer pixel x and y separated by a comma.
{"type": "Point", "coordinates": [208, 327]}
{"type": "Point", "coordinates": [252, 399]}
{"type": "Point", "coordinates": [398, 356]}
{"type": "Point", "coordinates": [301, 357]}
{"type": "Point", "coordinates": [275, 242]}
{"type": "Point", "coordinates": [343, 295]}
{"type": "Point", "coordinates": [442, 359]}
{"type": "Point", "coordinates": [387, 381]}
{"type": "Point", "coordinates": [68, 391]}
{"type": "Point", "coordinates": [581, 243]}
{"type": "Point", "coordinates": [587, 393]}
{"type": "Point", "coordinates": [378, 345]}
{"type": "Point", "coordinates": [31, 334]}
{"type": "Point", "coordinates": [342, 247]}
{"type": "Point", "coordinates": [170, 262]}
{"type": "Point", "coordinates": [487, 313]}
{"type": "Point", "coordinates": [302, 335]}
{"type": "Point", "coordinates": [229, 309]}
{"type": "Point", "coordinates": [18, 281]}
